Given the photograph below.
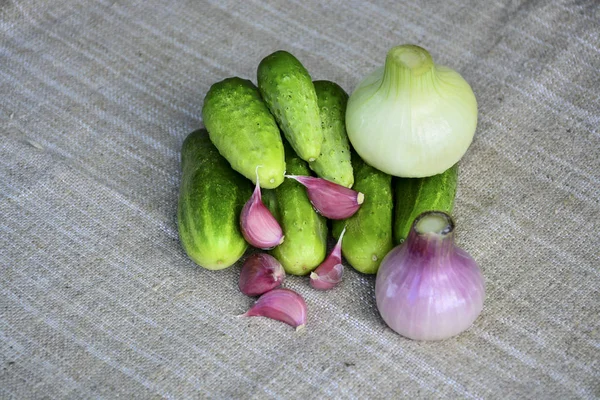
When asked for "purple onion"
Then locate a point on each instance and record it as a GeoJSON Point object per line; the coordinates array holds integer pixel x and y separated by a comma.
{"type": "Point", "coordinates": [427, 288]}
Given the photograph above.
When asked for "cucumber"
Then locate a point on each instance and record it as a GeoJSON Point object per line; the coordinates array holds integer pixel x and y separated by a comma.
{"type": "Point", "coordinates": [288, 90]}
{"type": "Point", "coordinates": [242, 128]}
{"type": "Point", "coordinates": [368, 236]}
{"type": "Point", "coordinates": [305, 244]}
{"type": "Point", "coordinates": [417, 195]}
{"type": "Point", "coordinates": [211, 197]}
{"type": "Point", "coordinates": [333, 162]}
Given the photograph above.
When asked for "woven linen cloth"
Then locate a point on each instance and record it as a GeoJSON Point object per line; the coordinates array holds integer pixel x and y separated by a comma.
{"type": "Point", "coordinates": [98, 298]}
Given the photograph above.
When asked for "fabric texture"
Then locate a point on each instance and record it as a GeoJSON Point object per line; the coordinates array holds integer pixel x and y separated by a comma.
{"type": "Point", "coordinates": [98, 298]}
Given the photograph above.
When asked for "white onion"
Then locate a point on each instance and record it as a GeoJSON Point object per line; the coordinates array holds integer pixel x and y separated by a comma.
{"type": "Point", "coordinates": [411, 118]}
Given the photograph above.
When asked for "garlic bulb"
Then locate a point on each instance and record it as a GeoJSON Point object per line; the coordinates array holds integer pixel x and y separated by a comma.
{"type": "Point", "coordinates": [411, 118]}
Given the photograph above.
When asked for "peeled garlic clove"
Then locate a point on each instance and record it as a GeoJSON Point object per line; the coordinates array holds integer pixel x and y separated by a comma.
{"type": "Point", "coordinates": [329, 273]}
{"type": "Point", "coordinates": [283, 305]}
{"type": "Point", "coordinates": [259, 227]}
{"type": "Point", "coordinates": [261, 272]}
{"type": "Point", "coordinates": [331, 200]}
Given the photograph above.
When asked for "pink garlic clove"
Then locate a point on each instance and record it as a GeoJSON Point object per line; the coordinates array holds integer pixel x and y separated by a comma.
{"type": "Point", "coordinates": [329, 280]}
{"type": "Point", "coordinates": [260, 273]}
{"type": "Point", "coordinates": [283, 305]}
{"type": "Point", "coordinates": [329, 273]}
{"type": "Point", "coordinates": [259, 227]}
{"type": "Point", "coordinates": [331, 200]}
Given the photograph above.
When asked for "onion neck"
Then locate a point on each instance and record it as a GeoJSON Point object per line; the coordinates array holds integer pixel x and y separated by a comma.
{"type": "Point", "coordinates": [431, 235]}
{"type": "Point", "coordinates": [407, 67]}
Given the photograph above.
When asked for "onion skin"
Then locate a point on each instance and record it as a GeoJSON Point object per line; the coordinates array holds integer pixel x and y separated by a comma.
{"type": "Point", "coordinates": [427, 288]}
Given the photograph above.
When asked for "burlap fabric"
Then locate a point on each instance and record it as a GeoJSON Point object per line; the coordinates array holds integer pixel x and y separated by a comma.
{"type": "Point", "coordinates": [97, 298]}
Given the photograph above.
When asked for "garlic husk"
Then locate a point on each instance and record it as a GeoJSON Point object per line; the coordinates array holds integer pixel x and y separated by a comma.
{"type": "Point", "coordinates": [283, 305]}
{"type": "Point", "coordinates": [260, 273]}
{"type": "Point", "coordinates": [331, 200]}
{"type": "Point", "coordinates": [258, 226]}
{"type": "Point", "coordinates": [329, 273]}
{"type": "Point", "coordinates": [427, 288]}
{"type": "Point", "coordinates": [411, 118]}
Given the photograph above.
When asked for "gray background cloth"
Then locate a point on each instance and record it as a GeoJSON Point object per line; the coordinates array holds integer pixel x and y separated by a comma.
{"type": "Point", "coordinates": [97, 297]}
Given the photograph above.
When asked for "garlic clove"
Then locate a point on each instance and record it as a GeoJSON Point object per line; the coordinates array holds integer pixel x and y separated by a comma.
{"type": "Point", "coordinates": [329, 280]}
{"type": "Point", "coordinates": [260, 273]}
{"type": "Point", "coordinates": [259, 227]}
{"type": "Point", "coordinates": [283, 305]}
{"type": "Point", "coordinates": [331, 200]}
{"type": "Point", "coordinates": [329, 273]}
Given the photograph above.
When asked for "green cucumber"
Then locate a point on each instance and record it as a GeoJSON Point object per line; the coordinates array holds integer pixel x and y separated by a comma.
{"type": "Point", "coordinates": [334, 161]}
{"type": "Point", "coordinates": [288, 90]}
{"type": "Point", "coordinates": [368, 236]}
{"type": "Point", "coordinates": [417, 195]}
{"type": "Point", "coordinates": [305, 244]}
{"type": "Point", "coordinates": [211, 197]}
{"type": "Point", "coordinates": [242, 128]}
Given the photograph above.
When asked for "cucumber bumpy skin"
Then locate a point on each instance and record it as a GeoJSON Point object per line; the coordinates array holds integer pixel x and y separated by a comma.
{"type": "Point", "coordinates": [305, 231]}
{"type": "Point", "coordinates": [242, 128]}
{"type": "Point", "coordinates": [288, 90]}
{"type": "Point", "coordinates": [368, 236]}
{"type": "Point", "coordinates": [211, 197]}
{"type": "Point", "coordinates": [417, 195]}
{"type": "Point", "coordinates": [334, 161]}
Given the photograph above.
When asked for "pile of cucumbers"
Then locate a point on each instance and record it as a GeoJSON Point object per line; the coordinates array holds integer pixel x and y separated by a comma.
{"type": "Point", "coordinates": [288, 124]}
